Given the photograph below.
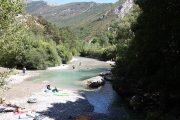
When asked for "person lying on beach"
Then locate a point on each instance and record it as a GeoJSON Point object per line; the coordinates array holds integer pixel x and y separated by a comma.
{"type": "Point", "coordinates": [14, 109]}
{"type": "Point", "coordinates": [55, 90]}
{"type": "Point", "coordinates": [48, 87]}
{"type": "Point", "coordinates": [24, 113]}
{"type": "Point", "coordinates": [19, 110]}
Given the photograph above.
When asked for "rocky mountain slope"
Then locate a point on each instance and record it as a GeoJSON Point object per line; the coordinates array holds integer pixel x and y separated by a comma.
{"type": "Point", "coordinates": [71, 14]}
{"type": "Point", "coordinates": [87, 19]}
{"type": "Point", "coordinates": [124, 9]}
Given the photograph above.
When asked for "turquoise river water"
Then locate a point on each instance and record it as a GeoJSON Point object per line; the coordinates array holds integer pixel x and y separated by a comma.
{"type": "Point", "coordinates": [101, 98]}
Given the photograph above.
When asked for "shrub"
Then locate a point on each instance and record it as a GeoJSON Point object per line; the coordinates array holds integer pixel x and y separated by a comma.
{"type": "Point", "coordinates": [22, 48]}
{"type": "Point", "coordinates": [36, 59]}
{"type": "Point", "coordinates": [53, 58]}
{"type": "Point", "coordinates": [103, 53]}
{"type": "Point", "coordinates": [64, 53]}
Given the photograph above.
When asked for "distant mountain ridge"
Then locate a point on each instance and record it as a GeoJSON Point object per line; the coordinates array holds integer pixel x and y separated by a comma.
{"type": "Point", "coordinates": [32, 6]}
{"type": "Point", "coordinates": [68, 14]}
{"type": "Point", "coordinates": [87, 19]}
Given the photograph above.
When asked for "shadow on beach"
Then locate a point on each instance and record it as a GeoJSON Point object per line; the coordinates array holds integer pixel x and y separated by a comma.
{"type": "Point", "coordinates": [69, 110]}
{"type": "Point", "coordinates": [78, 110]}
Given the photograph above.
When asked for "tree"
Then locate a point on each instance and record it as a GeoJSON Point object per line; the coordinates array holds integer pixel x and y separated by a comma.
{"type": "Point", "coordinates": [8, 10]}
{"type": "Point", "coordinates": [152, 63]}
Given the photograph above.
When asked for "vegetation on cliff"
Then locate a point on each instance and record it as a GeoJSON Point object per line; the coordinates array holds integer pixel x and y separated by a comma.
{"type": "Point", "coordinates": [147, 68]}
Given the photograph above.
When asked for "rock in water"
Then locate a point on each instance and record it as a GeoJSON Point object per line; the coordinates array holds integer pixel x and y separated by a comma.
{"type": "Point", "coordinates": [94, 82]}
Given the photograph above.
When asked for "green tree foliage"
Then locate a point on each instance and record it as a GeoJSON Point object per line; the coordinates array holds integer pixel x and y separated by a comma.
{"type": "Point", "coordinates": [3, 76]}
{"type": "Point", "coordinates": [123, 38]}
{"type": "Point", "coordinates": [21, 47]}
{"type": "Point", "coordinates": [102, 39]}
{"type": "Point", "coordinates": [150, 67]}
{"type": "Point", "coordinates": [99, 52]}
{"type": "Point", "coordinates": [105, 45]}
{"type": "Point", "coordinates": [8, 10]}
{"type": "Point", "coordinates": [63, 36]}
{"type": "Point", "coordinates": [35, 43]}
{"type": "Point", "coordinates": [102, 46]}
{"type": "Point", "coordinates": [64, 53]}
{"type": "Point", "coordinates": [50, 30]}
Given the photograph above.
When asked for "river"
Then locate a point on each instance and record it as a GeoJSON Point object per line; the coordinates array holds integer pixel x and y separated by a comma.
{"type": "Point", "coordinates": [102, 103]}
{"type": "Point", "coordinates": [102, 99]}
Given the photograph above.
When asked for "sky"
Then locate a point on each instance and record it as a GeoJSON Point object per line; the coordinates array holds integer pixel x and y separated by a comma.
{"type": "Point", "coordinates": [69, 1]}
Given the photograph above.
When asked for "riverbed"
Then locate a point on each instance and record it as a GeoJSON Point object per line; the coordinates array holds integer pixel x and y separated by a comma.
{"type": "Point", "coordinates": [97, 103]}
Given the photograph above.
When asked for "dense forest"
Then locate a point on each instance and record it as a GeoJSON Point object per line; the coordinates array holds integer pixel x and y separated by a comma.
{"type": "Point", "coordinates": [147, 69]}
{"type": "Point", "coordinates": [145, 45]}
